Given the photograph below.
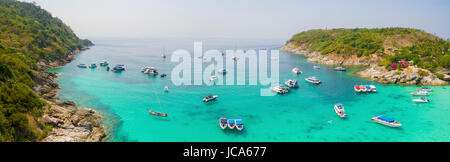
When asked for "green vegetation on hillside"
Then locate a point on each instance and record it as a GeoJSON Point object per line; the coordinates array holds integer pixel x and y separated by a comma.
{"type": "Point", "coordinates": [394, 44]}
{"type": "Point", "coordinates": [28, 34]}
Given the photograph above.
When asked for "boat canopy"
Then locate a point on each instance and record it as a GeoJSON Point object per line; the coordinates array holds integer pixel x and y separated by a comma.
{"type": "Point", "coordinates": [338, 104]}
{"type": "Point", "coordinates": [230, 121]}
{"type": "Point", "coordinates": [239, 121]}
{"type": "Point", "coordinates": [390, 120]}
{"type": "Point", "coordinates": [223, 120]}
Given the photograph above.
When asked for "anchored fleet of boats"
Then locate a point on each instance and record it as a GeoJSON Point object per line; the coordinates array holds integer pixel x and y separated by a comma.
{"type": "Point", "coordinates": [365, 88]}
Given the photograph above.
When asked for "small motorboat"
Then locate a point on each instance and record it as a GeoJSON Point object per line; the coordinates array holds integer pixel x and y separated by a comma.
{"type": "Point", "coordinates": [296, 70]}
{"type": "Point", "coordinates": [280, 90]}
{"type": "Point", "coordinates": [107, 68]}
{"type": "Point", "coordinates": [373, 88]}
{"type": "Point", "coordinates": [104, 63]}
{"type": "Point", "coordinates": [118, 68]}
{"type": "Point", "coordinates": [421, 99]}
{"type": "Point", "coordinates": [157, 113]}
{"type": "Point", "coordinates": [316, 67]}
{"type": "Point", "coordinates": [210, 98]}
{"type": "Point", "coordinates": [386, 121]}
{"type": "Point", "coordinates": [356, 88]}
{"type": "Point", "coordinates": [425, 89]}
{"type": "Point", "coordinates": [222, 71]}
{"type": "Point", "coordinates": [313, 80]}
{"type": "Point", "coordinates": [92, 66]}
{"type": "Point", "coordinates": [340, 68]}
{"type": "Point", "coordinates": [231, 123]}
{"type": "Point", "coordinates": [166, 88]}
{"type": "Point", "coordinates": [163, 75]}
{"type": "Point", "coordinates": [213, 78]}
{"type": "Point", "coordinates": [223, 122]}
{"type": "Point", "coordinates": [150, 70]}
{"type": "Point", "coordinates": [239, 124]}
{"type": "Point", "coordinates": [235, 58]}
{"type": "Point", "coordinates": [82, 65]}
{"type": "Point", "coordinates": [291, 83]}
{"type": "Point", "coordinates": [339, 109]}
{"type": "Point", "coordinates": [420, 93]}
{"type": "Point", "coordinates": [363, 88]}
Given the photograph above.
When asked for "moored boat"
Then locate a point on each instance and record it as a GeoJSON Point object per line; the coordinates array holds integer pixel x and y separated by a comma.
{"type": "Point", "coordinates": [166, 88]}
{"type": "Point", "coordinates": [339, 109]}
{"type": "Point", "coordinates": [92, 66]}
{"type": "Point", "coordinates": [363, 88]}
{"type": "Point", "coordinates": [119, 67]}
{"type": "Point", "coordinates": [316, 67]}
{"type": "Point", "coordinates": [291, 83]}
{"type": "Point", "coordinates": [373, 88]}
{"type": "Point", "coordinates": [280, 90]}
{"type": "Point", "coordinates": [104, 63]}
{"type": "Point", "coordinates": [222, 71]}
{"type": "Point", "coordinates": [425, 89]}
{"type": "Point", "coordinates": [210, 98]}
{"type": "Point", "coordinates": [157, 113]}
{"type": "Point", "coordinates": [239, 124]}
{"type": "Point", "coordinates": [421, 99]}
{"type": "Point", "coordinates": [296, 70]}
{"type": "Point", "coordinates": [386, 121]}
{"type": "Point", "coordinates": [213, 78]}
{"type": "Point", "coordinates": [340, 68]}
{"type": "Point", "coordinates": [313, 80]}
{"type": "Point", "coordinates": [356, 88]}
{"type": "Point", "coordinates": [420, 93]}
{"type": "Point", "coordinates": [82, 65]}
{"type": "Point", "coordinates": [223, 122]}
{"type": "Point", "coordinates": [231, 123]}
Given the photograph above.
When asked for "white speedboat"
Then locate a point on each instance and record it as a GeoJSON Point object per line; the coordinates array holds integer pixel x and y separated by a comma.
{"type": "Point", "coordinates": [239, 124]}
{"type": "Point", "coordinates": [386, 121]}
{"type": "Point", "coordinates": [82, 66]}
{"type": "Point", "coordinates": [316, 67]}
{"type": "Point", "coordinates": [291, 83]}
{"type": "Point", "coordinates": [235, 58]}
{"type": "Point", "coordinates": [421, 99]}
{"type": "Point", "coordinates": [166, 89]}
{"type": "Point", "coordinates": [420, 93]}
{"type": "Point", "coordinates": [296, 70]}
{"type": "Point", "coordinates": [231, 123]}
{"type": "Point", "coordinates": [213, 78]}
{"type": "Point", "coordinates": [424, 89]}
{"type": "Point", "coordinates": [92, 66]}
{"type": "Point", "coordinates": [210, 98]}
{"type": "Point", "coordinates": [373, 88]}
{"type": "Point", "coordinates": [339, 109]}
{"type": "Point", "coordinates": [340, 68]}
{"type": "Point", "coordinates": [223, 122]}
{"type": "Point", "coordinates": [280, 90]}
{"type": "Point", "coordinates": [313, 80]}
{"type": "Point", "coordinates": [222, 71]}
{"type": "Point", "coordinates": [104, 63]}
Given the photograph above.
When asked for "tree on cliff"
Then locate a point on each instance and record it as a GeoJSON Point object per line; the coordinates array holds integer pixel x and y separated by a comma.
{"type": "Point", "coordinates": [28, 34]}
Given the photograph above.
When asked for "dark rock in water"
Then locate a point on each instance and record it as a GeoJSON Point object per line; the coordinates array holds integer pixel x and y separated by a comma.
{"type": "Point", "coordinates": [67, 103]}
{"type": "Point", "coordinates": [163, 75]}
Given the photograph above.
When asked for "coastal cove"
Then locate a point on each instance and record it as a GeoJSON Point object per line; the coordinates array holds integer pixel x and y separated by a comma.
{"type": "Point", "coordinates": [305, 114]}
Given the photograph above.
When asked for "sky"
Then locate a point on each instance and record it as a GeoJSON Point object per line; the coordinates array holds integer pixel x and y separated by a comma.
{"type": "Point", "coordinates": [264, 19]}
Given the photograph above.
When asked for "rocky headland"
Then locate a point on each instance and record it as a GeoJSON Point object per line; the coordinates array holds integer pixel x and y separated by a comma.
{"type": "Point", "coordinates": [406, 76]}
{"type": "Point", "coordinates": [70, 123]}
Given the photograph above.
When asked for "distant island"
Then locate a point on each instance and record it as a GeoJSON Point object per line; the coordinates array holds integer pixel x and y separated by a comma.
{"type": "Point", "coordinates": [31, 42]}
{"type": "Point", "coordinates": [393, 55]}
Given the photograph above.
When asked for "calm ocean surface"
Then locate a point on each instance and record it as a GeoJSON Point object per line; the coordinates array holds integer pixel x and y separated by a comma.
{"type": "Point", "coordinates": [304, 114]}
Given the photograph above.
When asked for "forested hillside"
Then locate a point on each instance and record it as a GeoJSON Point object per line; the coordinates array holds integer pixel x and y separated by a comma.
{"type": "Point", "coordinates": [28, 34]}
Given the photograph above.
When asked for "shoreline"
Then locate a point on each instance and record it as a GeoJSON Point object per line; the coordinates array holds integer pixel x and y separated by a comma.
{"type": "Point", "coordinates": [70, 123]}
{"type": "Point", "coordinates": [372, 72]}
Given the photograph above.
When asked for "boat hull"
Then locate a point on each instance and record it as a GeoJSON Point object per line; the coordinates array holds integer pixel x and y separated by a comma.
{"type": "Point", "coordinates": [393, 125]}
{"type": "Point", "coordinates": [340, 113]}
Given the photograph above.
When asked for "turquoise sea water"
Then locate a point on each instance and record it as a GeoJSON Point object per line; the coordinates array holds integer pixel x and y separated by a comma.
{"type": "Point", "coordinates": [305, 114]}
